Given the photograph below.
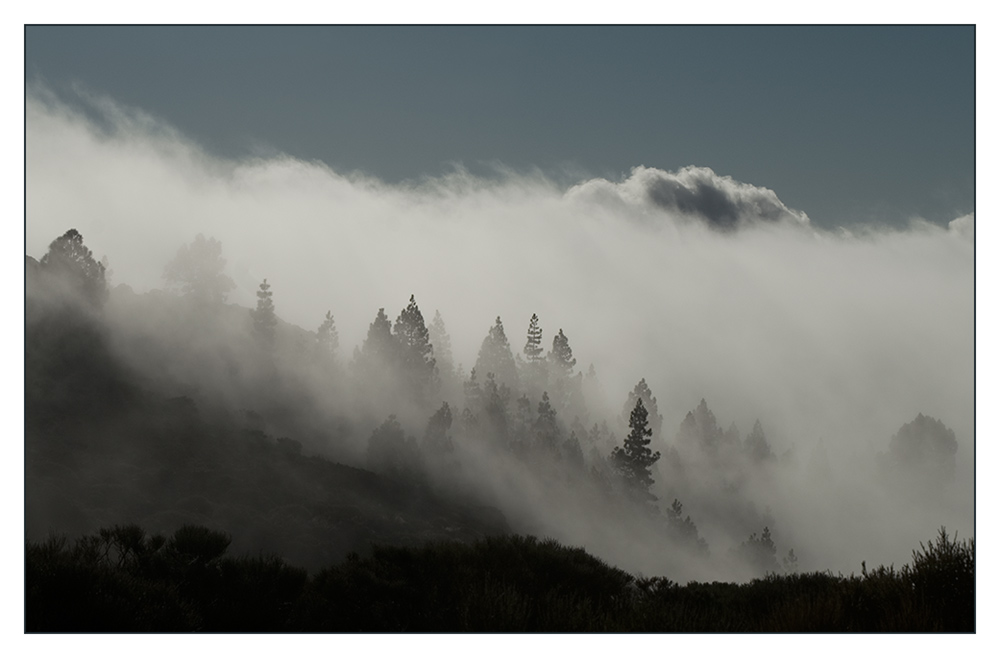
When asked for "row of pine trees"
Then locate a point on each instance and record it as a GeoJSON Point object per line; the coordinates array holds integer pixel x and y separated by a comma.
{"type": "Point", "coordinates": [532, 405]}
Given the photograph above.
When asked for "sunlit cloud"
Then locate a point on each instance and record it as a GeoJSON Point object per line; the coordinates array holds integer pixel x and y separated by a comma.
{"type": "Point", "coordinates": [694, 193]}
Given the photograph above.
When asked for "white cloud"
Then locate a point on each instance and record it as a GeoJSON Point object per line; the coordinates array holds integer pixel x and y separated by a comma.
{"type": "Point", "coordinates": [835, 336]}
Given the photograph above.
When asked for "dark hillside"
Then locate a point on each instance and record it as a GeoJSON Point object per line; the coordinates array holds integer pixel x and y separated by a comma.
{"type": "Point", "coordinates": [101, 450]}
{"type": "Point", "coordinates": [160, 415]}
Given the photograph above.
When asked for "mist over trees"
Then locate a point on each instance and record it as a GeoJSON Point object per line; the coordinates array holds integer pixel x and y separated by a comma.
{"type": "Point", "coordinates": [264, 318]}
{"type": "Point", "coordinates": [756, 445]}
{"type": "Point", "coordinates": [327, 338]}
{"type": "Point", "coordinates": [808, 388]}
{"type": "Point", "coordinates": [198, 270]}
{"type": "Point", "coordinates": [496, 358]}
{"type": "Point", "coordinates": [525, 437]}
{"type": "Point", "coordinates": [921, 457]}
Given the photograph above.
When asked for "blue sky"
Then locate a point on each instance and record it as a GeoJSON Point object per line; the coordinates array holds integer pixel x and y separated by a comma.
{"type": "Point", "coordinates": [848, 124]}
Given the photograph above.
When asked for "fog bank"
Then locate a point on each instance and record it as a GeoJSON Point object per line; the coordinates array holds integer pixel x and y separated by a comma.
{"type": "Point", "coordinates": [705, 286]}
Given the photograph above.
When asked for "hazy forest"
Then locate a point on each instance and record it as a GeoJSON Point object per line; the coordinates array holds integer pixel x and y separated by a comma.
{"type": "Point", "coordinates": [177, 442]}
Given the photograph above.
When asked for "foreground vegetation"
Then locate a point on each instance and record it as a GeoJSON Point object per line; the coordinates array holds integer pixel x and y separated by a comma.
{"type": "Point", "coordinates": [186, 412]}
{"type": "Point", "coordinates": [122, 579]}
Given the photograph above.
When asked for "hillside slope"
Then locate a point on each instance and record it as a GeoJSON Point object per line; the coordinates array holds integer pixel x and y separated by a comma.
{"type": "Point", "coordinates": [101, 449]}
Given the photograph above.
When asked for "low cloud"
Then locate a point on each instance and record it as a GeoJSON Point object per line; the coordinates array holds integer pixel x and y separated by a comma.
{"type": "Point", "coordinates": [705, 286]}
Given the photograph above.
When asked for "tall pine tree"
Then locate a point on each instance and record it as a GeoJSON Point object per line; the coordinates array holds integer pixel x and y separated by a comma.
{"type": "Point", "coordinates": [264, 319]}
{"type": "Point", "coordinates": [495, 356]}
{"type": "Point", "coordinates": [494, 419]}
{"type": "Point", "coordinates": [561, 356]}
{"type": "Point", "coordinates": [473, 393]}
{"type": "Point", "coordinates": [756, 445]}
{"type": "Point", "coordinates": [642, 392]}
{"type": "Point", "coordinates": [415, 351]}
{"type": "Point", "coordinates": [533, 347]}
{"type": "Point", "coordinates": [566, 390]}
{"type": "Point", "coordinates": [379, 344]}
{"type": "Point", "coordinates": [442, 344]}
{"type": "Point", "coordinates": [534, 371]}
{"type": "Point", "coordinates": [546, 427]}
{"type": "Point", "coordinates": [634, 460]}
{"type": "Point", "coordinates": [701, 431]}
{"type": "Point", "coordinates": [327, 339]}
{"type": "Point", "coordinates": [437, 440]}
{"type": "Point", "coordinates": [451, 387]}
{"type": "Point", "coordinates": [375, 362]}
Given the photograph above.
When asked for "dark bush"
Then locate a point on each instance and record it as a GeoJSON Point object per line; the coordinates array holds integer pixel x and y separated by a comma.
{"type": "Point", "coordinates": [193, 543]}
{"type": "Point", "coordinates": [123, 580]}
{"type": "Point", "coordinates": [943, 575]}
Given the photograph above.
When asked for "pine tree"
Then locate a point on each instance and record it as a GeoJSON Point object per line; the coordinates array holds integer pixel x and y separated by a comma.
{"type": "Point", "coordinates": [436, 439]}
{"type": "Point", "coordinates": [264, 319]}
{"type": "Point", "coordinates": [700, 429]}
{"type": "Point", "coordinates": [760, 552]}
{"type": "Point", "coordinates": [683, 529]}
{"type": "Point", "coordinates": [533, 368]}
{"type": "Point", "coordinates": [448, 374]}
{"type": "Point", "coordinates": [442, 344]}
{"type": "Point", "coordinates": [375, 364]}
{"type": "Point", "coordinates": [73, 265]}
{"type": "Point", "coordinates": [561, 356]}
{"type": "Point", "coordinates": [732, 435]}
{"type": "Point", "coordinates": [390, 451]}
{"type": "Point", "coordinates": [756, 445]}
{"type": "Point", "coordinates": [379, 344]}
{"type": "Point", "coordinates": [566, 390]}
{"type": "Point", "coordinates": [521, 425]}
{"type": "Point", "coordinates": [790, 562]}
{"type": "Point", "coordinates": [413, 335]}
{"type": "Point", "coordinates": [533, 347]}
{"type": "Point", "coordinates": [546, 427]}
{"type": "Point", "coordinates": [416, 352]}
{"type": "Point", "coordinates": [572, 453]}
{"type": "Point", "coordinates": [495, 399]}
{"type": "Point", "coordinates": [634, 459]}
{"type": "Point", "coordinates": [590, 386]}
{"type": "Point", "coordinates": [468, 423]}
{"type": "Point", "coordinates": [473, 393]}
{"type": "Point", "coordinates": [642, 391]}
{"type": "Point", "coordinates": [327, 339]}
{"type": "Point", "coordinates": [924, 450]}
{"type": "Point", "coordinates": [600, 435]}
{"type": "Point", "coordinates": [198, 270]}
{"type": "Point", "coordinates": [495, 356]}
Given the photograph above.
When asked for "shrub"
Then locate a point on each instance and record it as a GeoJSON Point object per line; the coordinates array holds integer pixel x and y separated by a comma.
{"type": "Point", "coordinates": [943, 574]}
{"type": "Point", "coordinates": [198, 544]}
{"type": "Point", "coordinates": [120, 580]}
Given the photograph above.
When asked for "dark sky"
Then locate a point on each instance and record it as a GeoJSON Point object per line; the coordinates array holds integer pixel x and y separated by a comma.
{"type": "Point", "coordinates": [849, 124]}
